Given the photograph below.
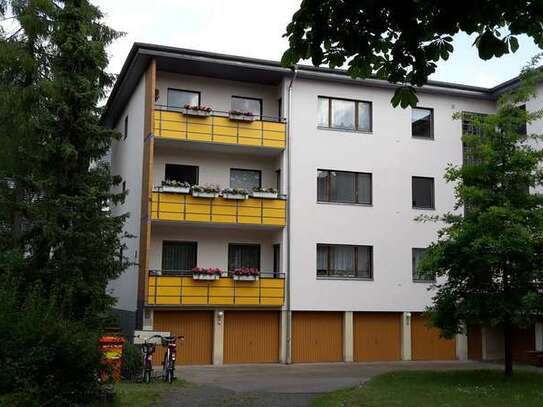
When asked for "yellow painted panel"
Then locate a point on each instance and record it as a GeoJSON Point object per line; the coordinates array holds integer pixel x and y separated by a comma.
{"type": "Point", "coordinates": [168, 291]}
{"type": "Point", "coordinates": [221, 300]}
{"type": "Point", "coordinates": [194, 300]}
{"type": "Point", "coordinates": [272, 301]}
{"type": "Point", "coordinates": [168, 300]}
{"type": "Point", "coordinates": [218, 129]}
{"type": "Point", "coordinates": [273, 282]}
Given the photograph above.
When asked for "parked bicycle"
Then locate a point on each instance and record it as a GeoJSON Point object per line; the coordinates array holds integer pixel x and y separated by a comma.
{"type": "Point", "coordinates": [168, 364]}
{"type": "Point", "coordinates": [147, 349]}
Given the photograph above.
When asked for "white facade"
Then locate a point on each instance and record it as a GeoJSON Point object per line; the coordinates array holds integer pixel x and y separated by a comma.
{"type": "Point", "coordinates": [392, 156]}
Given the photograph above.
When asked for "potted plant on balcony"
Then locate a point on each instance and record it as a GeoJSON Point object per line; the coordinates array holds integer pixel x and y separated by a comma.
{"type": "Point", "coordinates": [175, 187]}
{"type": "Point", "coordinates": [196, 110]}
{"type": "Point", "coordinates": [205, 191]}
{"type": "Point", "coordinates": [201, 273]}
{"type": "Point", "coordinates": [246, 274]}
{"type": "Point", "coordinates": [267, 193]}
{"type": "Point", "coordinates": [235, 193]}
{"type": "Point", "coordinates": [241, 116]}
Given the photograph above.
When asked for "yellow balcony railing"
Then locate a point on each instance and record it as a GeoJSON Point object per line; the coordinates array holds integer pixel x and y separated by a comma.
{"type": "Point", "coordinates": [184, 207]}
{"type": "Point", "coordinates": [217, 127]}
{"type": "Point", "coordinates": [268, 290]}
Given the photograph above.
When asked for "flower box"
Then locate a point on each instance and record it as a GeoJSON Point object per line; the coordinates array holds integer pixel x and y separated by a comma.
{"type": "Point", "coordinates": [265, 195]}
{"type": "Point", "coordinates": [203, 194]}
{"type": "Point", "coordinates": [175, 190]}
{"type": "Point", "coordinates": [195, 112]}
{"type": "Point", "coordinates": [204, 276]}
{"type": "Point", "coordinates": [241, 117]}
{"type": "Point", "coordinates": [239, 197]}
{"type": "Point", "coordinates": [245, 278]}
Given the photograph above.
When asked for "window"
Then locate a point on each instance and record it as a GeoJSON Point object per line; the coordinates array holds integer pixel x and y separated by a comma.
{"type": "Point", "coordinates": [344, 187]}
{"type": "Point", "coordinates": [252, 105]}
{"type": "Point", "coordinates": [179, 98]}
{"type": "Point", "coordinates": [247, 179]}
{"type": "Point", "coordinates": [423, 192]}
{"type": "Point", "coordinates": [182, 173]}
{"type": "Point", "coordinates": [278, 181]}
{"type": "Point", "coordinates": [344, 261]}
{"type": "Point", "coordinates": [243, 255]}
{"type": "Point", "coordinates": [422, 123]}
{"type": "Point", "coordinates": [416, 255]}
{"type": "Point", "coordinates": [125, 130]}
{"type": "Point", "coordinates": [523, 129]}
{"type": "Point", "coordinates": [124, 186]}
{"type": "Point", "coordinates": [470, 128]}
{"type": "Point", "coordinates": [279, 109]}
{"type": "Point", "coordinates": [276, 260]}
{"type": "Point", "coordinates": [178, 257]}
{"type": "Point", "coordinates": [344, 114]}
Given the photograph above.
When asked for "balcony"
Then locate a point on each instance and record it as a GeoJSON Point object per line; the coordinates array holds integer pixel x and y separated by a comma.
{"type": "Point", "coordinates": [268, 290]}
{"type": "Point", "coordinates": [186, 208]}
{"type": "Point", "coordinates": [217, 127]}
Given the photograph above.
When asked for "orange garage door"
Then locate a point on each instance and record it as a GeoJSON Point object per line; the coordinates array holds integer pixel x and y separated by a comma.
{"type": "Point", "coordinates": [317, 337]}
{"type": "Point", "coordinates": [195, 326]}
{"type": "Point", "coordinates": [426, 342]}
{"type": "Point", "coordinates": [377, 336]}
{"type": "Point", "coordinates": [475, 343]}
{"type": "Point", "coordinates": [251, 336]}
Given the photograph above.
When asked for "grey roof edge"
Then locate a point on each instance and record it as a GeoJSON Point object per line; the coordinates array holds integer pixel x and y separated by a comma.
{"type": "Point", "coordinates": [307, 71]}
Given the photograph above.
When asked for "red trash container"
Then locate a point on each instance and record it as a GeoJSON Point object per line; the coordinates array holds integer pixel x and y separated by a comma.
{"type": "Point", "coordinates": [112, 353]}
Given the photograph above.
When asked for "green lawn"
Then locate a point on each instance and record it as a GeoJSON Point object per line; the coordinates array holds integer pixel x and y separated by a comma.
{"type": "Point", "coordinates": [472, 388]}
{"type": "Point", "coordinates": [143, 395]}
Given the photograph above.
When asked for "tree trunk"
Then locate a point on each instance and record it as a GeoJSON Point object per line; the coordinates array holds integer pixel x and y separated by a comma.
{"type": "Point", "coordinates": [508, 349]}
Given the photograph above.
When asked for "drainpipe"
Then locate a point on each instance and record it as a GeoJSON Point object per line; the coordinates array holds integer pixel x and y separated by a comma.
{"type": "Point", "coordinates": [289, 217]}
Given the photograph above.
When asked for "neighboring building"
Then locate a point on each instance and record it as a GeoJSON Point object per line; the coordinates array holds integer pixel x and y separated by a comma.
{"type": "Point", "coordinates": [337, 248]}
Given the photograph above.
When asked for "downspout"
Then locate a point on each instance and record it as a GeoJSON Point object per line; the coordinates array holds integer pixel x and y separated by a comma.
{"type": "Point", "coordinates": [289, 217]}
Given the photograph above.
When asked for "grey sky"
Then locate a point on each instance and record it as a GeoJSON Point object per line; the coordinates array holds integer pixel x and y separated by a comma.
{"type": "Point", "coordinates": [254, 28]}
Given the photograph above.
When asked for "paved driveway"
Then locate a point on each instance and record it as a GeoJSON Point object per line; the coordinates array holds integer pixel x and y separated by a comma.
{"type": "Point", "coordinates": [284, 385]}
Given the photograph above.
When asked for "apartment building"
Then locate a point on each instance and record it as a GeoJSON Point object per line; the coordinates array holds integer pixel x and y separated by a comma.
{"type": "Point", "coordinates": [274, 209]}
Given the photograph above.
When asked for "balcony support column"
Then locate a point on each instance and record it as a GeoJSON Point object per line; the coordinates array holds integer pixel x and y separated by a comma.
{"type": "Point", "coordinates": [218, 337]}
{"type": "Point", "coordinates": [348, 338]}
{"type": "Point", "coordinates": [406, 336]}
{"type": "Point", "coordinates": [462, 345]}
{"type": "Point", "coordinates": [284, 342]}
{"type": "Point", "coordinates": [539, 336]}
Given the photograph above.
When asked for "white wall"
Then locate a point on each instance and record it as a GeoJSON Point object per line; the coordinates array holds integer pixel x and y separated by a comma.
{"type": "Point", "coordinates": [127, 161]}
{"type": "Point", "coordinates": [217, 93]}
{"type": "Point", "coordinates": [393, 157]}
{"type": "Point", "coordinates": [214, 168]}
{"type": "Point", "coordinates": [213, 243]}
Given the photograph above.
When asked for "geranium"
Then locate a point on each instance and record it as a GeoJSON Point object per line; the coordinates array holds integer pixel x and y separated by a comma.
{"type": "Point", "coordinates": [260, 189]}
{"type": "Point", "coordinates": [246, 271]}
{"type": "Point", "coordinates": [200, 108]}
{"type": "Point", "coordinates": [240, 113]}
{"type": "Point", "coordinates": [235, 191]}
{"type": "Point", "coordinates": [208, 271]}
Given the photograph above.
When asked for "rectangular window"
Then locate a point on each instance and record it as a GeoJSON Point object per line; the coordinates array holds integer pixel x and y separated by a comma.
{"type": "Point", "coordinates": [251, 105]}
{"type": "Point", "coordinates": [523, 129]}
{"type": "Point", "coordinates": [422, 123]}
{"type": "Point", "coordinates": [247, 179]}
{"type": "Point", "coordinates": [469, 128]}
{"type": "Point", "coordinates": [125, 131]}
{"type": "Point", "coordinates": [344, 114]}
{"type": "Point", "coordinates": [278, 181]}
{"type": "Point", "coordinates": [179, 98]}
{"type": "Point", "coordinates": [243, 255]}
{"type": "Point", "coordinates": [276, 260]}
{"type": "Point", "coordinates": [344, 261]}
{"type": "Point", "coordinates": [178, 257]}
{"type": "Point", "coordinates": [423, 192]}
{"type": "Point", "coordinates": [344, 187]}
{"type": "Point", "coordinates": [416, 255]}
{"type": "Point", "coordinates": [182, 173]}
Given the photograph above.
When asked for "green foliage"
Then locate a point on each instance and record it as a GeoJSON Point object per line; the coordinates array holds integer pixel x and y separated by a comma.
{"type": "Point", "coordinates": [58, 238]}
{"type": "Point", "coordinates": [402, 41]}
{"type": "Point", "coordinates": [132, 362]}
{"type": "Point", "coordinates": [46, 361]}
{"type": "Point", "coordinates": [492, 256]}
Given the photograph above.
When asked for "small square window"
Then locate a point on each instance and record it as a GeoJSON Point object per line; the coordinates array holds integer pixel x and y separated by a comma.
{"type": "Point", "coordinates": [416, 255]}
{"type": "Point", "coordinates": [179, 98]}
{"type": "Point", "coordinates": [247, 105]}
{"type": "Point", "coordinates": [247, 179]}
{"type": "Point", "coordinates": [422, 123]}
{"type": "Point", "coordinates": [182, 173]}
{"type": "Point", "coordinates": [423, 192]}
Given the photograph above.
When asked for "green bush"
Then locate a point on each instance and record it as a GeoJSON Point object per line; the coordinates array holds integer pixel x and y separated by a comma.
{"type": "Point", "coordinates": [132, 362]}
{"type": "Point", "coordinates": [45, 360]}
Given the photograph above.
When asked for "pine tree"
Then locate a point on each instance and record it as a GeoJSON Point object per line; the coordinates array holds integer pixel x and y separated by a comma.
{"type": "Point", "coordinates": [58, 239]}
{"type": "Point", "coordinates": [492, 254]}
